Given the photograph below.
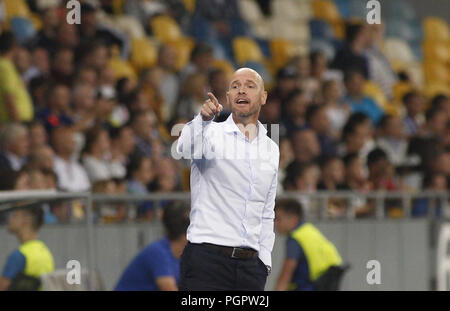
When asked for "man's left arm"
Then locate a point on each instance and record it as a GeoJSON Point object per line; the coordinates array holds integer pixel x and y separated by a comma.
{"type": "Point", "coordinates": [267, 236]}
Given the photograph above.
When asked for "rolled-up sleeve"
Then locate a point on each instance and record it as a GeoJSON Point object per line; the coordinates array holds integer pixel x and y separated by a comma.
{"type": "Point", "coordinates": [267, 235]}
{"type": "Point", "coordinates": [191, 142]}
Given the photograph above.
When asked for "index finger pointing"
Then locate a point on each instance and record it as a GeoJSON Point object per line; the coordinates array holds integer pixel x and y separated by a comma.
{"type": "Point", "coordinates": [213, 99]}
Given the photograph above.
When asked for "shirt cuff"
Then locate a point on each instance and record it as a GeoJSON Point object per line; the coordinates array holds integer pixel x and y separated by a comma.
{"type": "Point", "coordinates": [265, 257]}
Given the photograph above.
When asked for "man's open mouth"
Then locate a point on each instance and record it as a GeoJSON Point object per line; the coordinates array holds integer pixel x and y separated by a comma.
{"type": "Point", "coordinates": [242, 101]}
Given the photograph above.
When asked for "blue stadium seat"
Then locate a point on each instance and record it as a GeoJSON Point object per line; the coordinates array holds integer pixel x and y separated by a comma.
{"type": "Point", "coordinates": [358, 8]}
{"type": "Point", "coordinates": [320, 29]}
{"type": "Point", "coordinates": [344, 7]}
{"type": "Point", "coordinates": [401, 9]}
{"type": "Point", "coordinates": [22, 28]}
{"type": "Point", "coordinates": [325, 47]}
{"type": "Point", "coordinates": [401, 29]}
{"type": "Point", "coordinates": [261, 69]}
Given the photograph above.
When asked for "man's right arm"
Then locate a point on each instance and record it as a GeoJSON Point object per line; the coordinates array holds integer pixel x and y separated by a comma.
{"type": "Point", "coordinates": [190, 143]}
{"type": "Point", "coordinates": [14, 265]}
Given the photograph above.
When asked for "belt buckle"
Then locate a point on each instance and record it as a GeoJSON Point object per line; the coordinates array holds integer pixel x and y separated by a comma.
{"type": "Point", "coordinates": [232, 254]}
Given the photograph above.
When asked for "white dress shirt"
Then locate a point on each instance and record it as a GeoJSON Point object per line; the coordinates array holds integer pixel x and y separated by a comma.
{"type": "Point", "coordinates": [233, 185]}
{"type": "Point", "coordinates": [71, 175]}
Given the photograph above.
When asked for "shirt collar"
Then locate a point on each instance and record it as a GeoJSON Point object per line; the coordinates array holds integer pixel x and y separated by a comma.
{"type": "Point", "coordinates": [230, 126]}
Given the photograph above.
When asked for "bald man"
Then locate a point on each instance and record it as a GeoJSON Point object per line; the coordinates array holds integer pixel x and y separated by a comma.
{"type": "Point", "coordinates": [234, 167]}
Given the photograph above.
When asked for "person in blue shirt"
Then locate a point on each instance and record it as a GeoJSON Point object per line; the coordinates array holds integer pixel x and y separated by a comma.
{"type": "Point", "coordinates": [355, 98]}
{"type": "Point", "coordinates": [157, 267]}
{"type": "Point", "coordinates": [309, 255]}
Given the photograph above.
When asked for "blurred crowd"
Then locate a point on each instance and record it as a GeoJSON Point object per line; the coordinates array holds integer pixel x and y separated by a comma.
{"type": "Point", "coordinates": [70, 122]}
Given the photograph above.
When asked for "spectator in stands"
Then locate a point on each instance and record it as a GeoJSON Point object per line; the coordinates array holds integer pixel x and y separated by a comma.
{"type": "Point", "coordinates": [357, 136]}
{"type": "Point", "coordinates": [169, 85]}
{"type": "Point", "coordinates": [91, 30]}
{"type": "Point", "coordinates": [201, 61]}
{"type": "Point", "coordinates": [104, 106]}
{"type": "Point", "coordinates": [122, 146]}
{"type": "Point", "coordinates": [58, 112]}
{"type": "Point", "coordinates": [83, 103]}
{"type": "Point", "coordinates": [317, 120]}
{"type": "Point", "coordinates": [32, 259]}
{"type": "Point", "coordinates": [414, 118]}
{"type": "Point", "coordinates": [157, 267]}
{"type": "Point", "coordinates": [46, 37]}
{"type": "Point", "coordinates": [286, 83]}
{"type": "Point", "coordinates": [68, 37]}
{"type": "Point", "coordinates": [337, 112]}
{"type": "Point", "coordinates": [41, 158]}
{"type": "Point", "coordinates": [193, 96]}
{"type": "Point", "coordinates": [24, 65]}
{"type": "Point", "coordinates": [141, 174]}
{"type": "Point", "coordinates": [71, 175]}
{"type": "Point", "coordinates": [38, 89]}
{"type": "Point", "coordinates": [86, 74]}
{"type": "Point", "coordinates": [96, 157]}
{"type": "Point", "coordinates": [150, 84]}
{"type": "Point", "coordinates": [286, 158]}
{"type": "Point", "coordinates": [218, 82]}
{"type": "Point", "coordinates": [95, 55]}
{"type": "Point", "coordinates": [145, 134]}
{"type": "Point", "coordinates": [38, 135]}
{"type": "Point", "coordinates": [15, 102]}
{"type": "Point", "coordinates": [41, 60]}
{"type": "Point", "coordinates": [380, 170]}
{"type": "Point", "coordinates": [436, 123]}
{"type": "Point", "coordinates": [351, 56]}
{"type": "Point", "coordinates": [431, 182]}
{"type": "Point", "coordinates": [441, 101]}
{"type": "Point", "coordinates": [332, 174]}
{"type": "Point", "coordinates": [355, 98]}
{"type": "Point", "coordinates": [380, 69]}
{"type": "Point", "coordinates": [15, 146]}
{"type": "Point", "coordinates": [63, 66]}
{"type": "Point", "coordinates": [305, 247]}
{"type": "Point", "coordinates": [11, 180]}
{"type": "Point", "coordinates": [294, 117]}
{"type": "Point", "coordinates": [306, 145]}
{"type": "Point", "coordinates": [392, 140]}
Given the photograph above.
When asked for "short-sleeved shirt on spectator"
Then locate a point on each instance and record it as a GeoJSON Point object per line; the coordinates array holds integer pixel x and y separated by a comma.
{"type": "Point", "coordinates": [155, 261]}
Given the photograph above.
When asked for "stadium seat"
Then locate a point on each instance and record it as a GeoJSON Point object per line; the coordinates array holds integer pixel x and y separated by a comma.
{"type": "Point", "coordinates": [36, 21]}
{"type": "Point", "coordinates": [435, 72]}
{"type": "Point", "coordinates": [292, 10]}
{"type": "Point", "coordinates": [282, 50]}
{"type": "Point", "coordinates": [121, 68]}
{"type": "Point", "coordinates": [189, 5]}
{"type": "Point", "coordinates": [433, 89]}
{"type": "Point", "coordinates": [297, 32]}
{"type": "Point", "coordinates": [143, 53]}
{"type": "Point", "coordinates": [165, 28]}
{"type": "Point", "coordinates": [324, 46]}
{"type": "Point", "coordinates": [118, 6]}
{"type": "Point", "coordinates": [250, 11]}
{"type": "Point", "coordinates": [373, 90]}
{"type": "Point", "coordinates": [183, 46]}
{"type": "Point", "coordinates": [400, 89]}
{"type": "Point", "coordinates": [401, 10]}
{"type": "Point", "coordinates": [398, 49]}
{"type": "Point", "coordinates": [436, 50]}
{"type": "Point", "coordinates": [326, 10]}
{"type": "Point", "coordinates": [224, 65]}
{"type": "Point", "coordinates": [22, 28]}
{"type": "Point", "coordinates": [246, 50]}
{"type": "Point", "coordinates": [401, 29]}
{"type": "Point", "coordinates": [344, 8]}
{"type": "Point", "coordinates": [320, 29]}
{"type": "Point", "coordinates": [436, 29]}
{"type": "Point", "coordinates": [14, 8]}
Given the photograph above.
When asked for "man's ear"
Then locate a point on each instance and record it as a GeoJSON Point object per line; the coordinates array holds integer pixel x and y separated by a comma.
{"type": "Point", "coordinates": [264, 98]}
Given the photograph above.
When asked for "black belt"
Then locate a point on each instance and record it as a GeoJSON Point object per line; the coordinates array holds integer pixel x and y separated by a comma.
{"type": "Point", "coordinates": [233, 252]}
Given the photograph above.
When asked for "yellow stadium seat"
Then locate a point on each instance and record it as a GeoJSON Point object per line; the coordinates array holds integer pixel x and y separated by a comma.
{"type": "Point", "coordinates": [16, 8]}
{"type": "Point", "coordinates": [143, 53]}
{"type": "Point", "coordinates": [436, 29]}
{"type": "Point", "coordinates": [326, 10]}
{"type": "Point", "coordinates": [246, 50]}
{"type": "Point", "coordinates": [281, 50]}
{"type": "Point", "coordinates": [433, 89]}
{"type": "Point", "coordinates": [224, 65]}
{"type": "Point", "coordinates": [36, 21]}
{"type": "Point", "coordinates": [400, 89]}
{"type": "Point", "coordinates": [121, 68]}
{"type": "Point", "coordinates": [183, 46]}
{"type": "Point", "coordinates": [189, 5]}
{"type": "Point", "coordinates": [165, 28]}
{"type": "Point", "coordinates": [436, 51]}
{"type": "Point", "coordinates": [118, 6]}
{"type": "Point", "coordinates": [435, 72]}
{"type": "Point", "coordinates": [373, 90]}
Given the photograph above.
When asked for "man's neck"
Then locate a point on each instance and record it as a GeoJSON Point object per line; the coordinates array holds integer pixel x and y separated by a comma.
{"type": "Point", "coordinates": [177, 247]}
{"type": "Point", "coordinates": [65, 157]}
{"type": "Point", "coordinates": [242, 123]}
{"type": "Point", "coordinates": [26, 235]}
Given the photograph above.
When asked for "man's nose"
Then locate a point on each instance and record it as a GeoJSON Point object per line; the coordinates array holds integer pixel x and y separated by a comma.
{"type": "Point", "coordinates": [241, 90]}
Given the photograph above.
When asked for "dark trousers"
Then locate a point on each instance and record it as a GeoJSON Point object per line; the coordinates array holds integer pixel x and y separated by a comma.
{"type": "Point", "coordinates": [203, 268]}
